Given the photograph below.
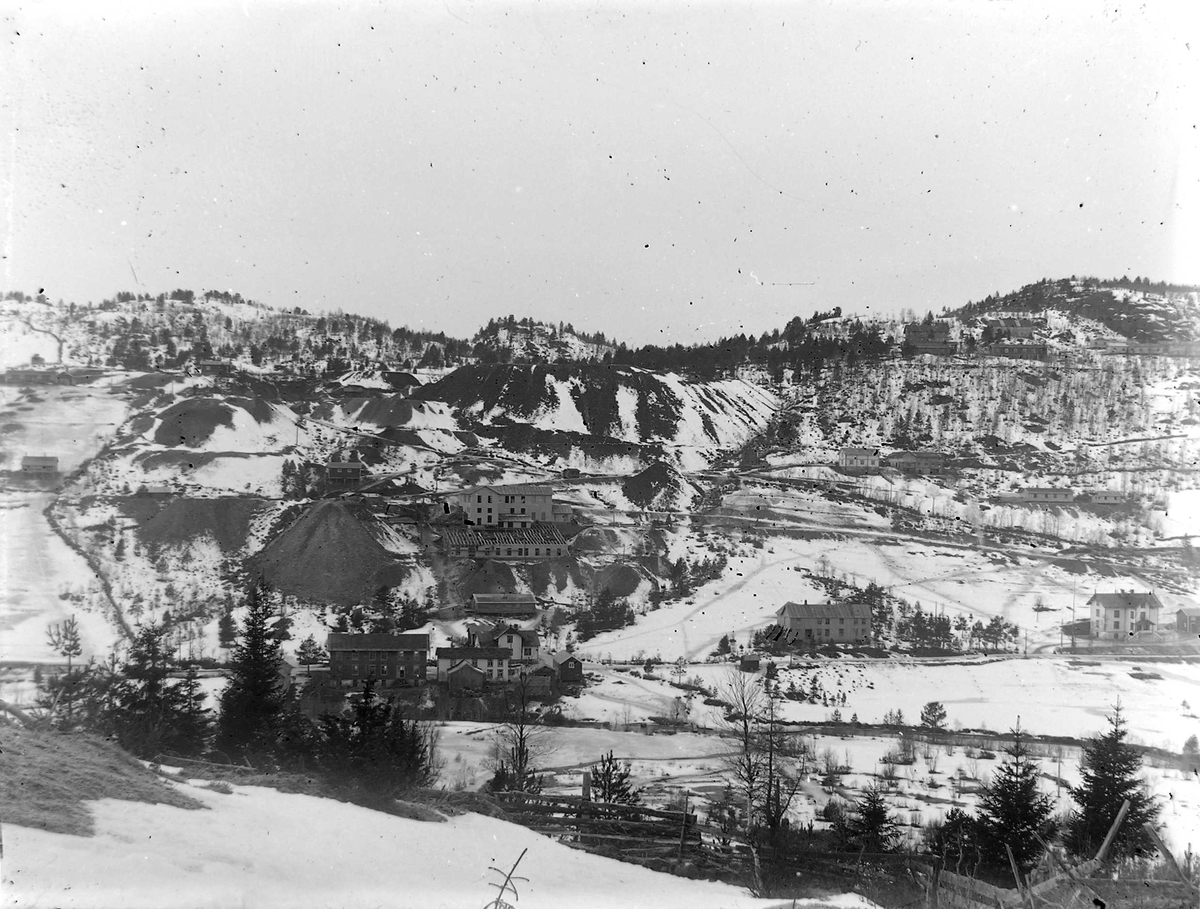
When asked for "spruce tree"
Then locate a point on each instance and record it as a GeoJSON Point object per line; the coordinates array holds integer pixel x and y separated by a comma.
{"type": "Point", "coordinates": [871, 828]}
{"type": "Point", "coordinates": [151, 713]}
{"type": "Point", "coordinates": [1110, 768]}
{"type": "Point", "coordinates": [252, 703]}
{"type": "Point", "coordinates": [610, 782]}
{"type": "Point", "coordinates": [1011, 810]}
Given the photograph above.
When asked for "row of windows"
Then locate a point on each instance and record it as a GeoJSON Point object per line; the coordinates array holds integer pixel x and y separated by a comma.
{"type": "Point", "coordinates": [1117, 614]}
{"type": "Point", "coordinates": [842, 621]}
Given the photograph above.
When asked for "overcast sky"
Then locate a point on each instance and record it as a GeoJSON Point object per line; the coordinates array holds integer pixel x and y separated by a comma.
{"type": "Point", "coordinates": [656, 171]}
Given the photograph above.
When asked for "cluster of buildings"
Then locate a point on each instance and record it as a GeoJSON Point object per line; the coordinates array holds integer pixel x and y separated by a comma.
{"type": "Point", "coordinates": [1124, 613]}
{"type": "Point", "coordinates": [869, 460]}
{"type": "Point", "coordinates": [1114, 615]}
{"type": "Point", "coordinates": [501, 647]}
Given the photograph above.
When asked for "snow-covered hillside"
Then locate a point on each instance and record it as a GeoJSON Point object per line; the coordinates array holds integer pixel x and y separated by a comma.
{"type": "Point", "coordinates": [258, 847]}
{"type": "Point", "coordinates": [691, 419]}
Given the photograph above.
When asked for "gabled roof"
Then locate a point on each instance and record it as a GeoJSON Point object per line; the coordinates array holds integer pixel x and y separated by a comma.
{"type": "Point", "coordinates": [859, 452]}
{"type": "Point", "coordinates": [1188, 611]}
{"type": "Point", "coordinates": [561, 656]}
{"type": "Point", "coordinates": [824, 610]}
{"type": "Point", "coordinates": [344, 641]}
{"type": "Point", "coordinates": [1126, 599]}
{"type": "Point", "coordinates": [345, 464]}
{"type": "Point", "coordinates": [511, 489]}
{"type": "Point", "coordinates": [489, 599]}
{"type": "Point", "coordinates": [473, 653]}
{"type": "Point", "coordinates": [464, 667]}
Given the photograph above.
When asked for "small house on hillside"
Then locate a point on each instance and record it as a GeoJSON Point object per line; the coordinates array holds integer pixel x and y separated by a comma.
{"type": "Point", "coordinates": [1107, 497]}
{"type": "Point", "coordinates": [216, 368]}
{"type": "Point", "coordinates": [1187, 620]}
{"type": "Point", "coordinates": [1019, 351]}
{"type": "Point", "coordinates": [391, 659]}
{"type": "Point", "coordinates": [39, 464]}
{"type": "Point", "coordinates": [503, 605]}
{"type": "Point", "coordinates": [1123, 612]}
{"type": "Point", "coordinates": [345, 473]}
{"type": "Point", "coordinates": [929, 338]}
{"type": "Point", "coordinates": [917, 462]}
{"type": "Point", "coordinates": [567, 667]}
{"type": "Point", "coordinates": [838, 623]}
{"type": "Point", "coordinates": [859, 460]}
{"type": "Point", "coordinates": [1046, 495]}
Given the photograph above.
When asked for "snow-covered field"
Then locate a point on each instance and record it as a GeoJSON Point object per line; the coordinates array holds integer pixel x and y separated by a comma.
{"type": "Point", "coordinates": [36, 567]}
{"type": "Point", "coordinates": [258, 847]}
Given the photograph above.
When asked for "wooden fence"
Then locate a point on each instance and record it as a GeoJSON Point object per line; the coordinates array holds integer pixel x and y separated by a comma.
{"type": "Point", "coordinates": [631, 832]}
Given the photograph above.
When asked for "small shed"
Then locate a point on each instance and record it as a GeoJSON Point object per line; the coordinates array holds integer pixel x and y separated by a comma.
{"type": "Point", "coordinates": [1187, 620]}
{"type": "Point", "coordinates": [751, 662]}
{"type": "Point", "coordinates": [464, 677]}
{"type": "Point", "coordinates": [39, 464]}
{"type": "Point", "coordinates": [566, 666]}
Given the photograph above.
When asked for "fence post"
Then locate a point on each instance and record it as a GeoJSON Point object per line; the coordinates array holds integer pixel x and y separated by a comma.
{"type": "Point", "coordinates": [684, 825]}
{"type": "Point", "coordinates": [1149, 828]}
{"type": "Point", "coordinates": [1112, 831]}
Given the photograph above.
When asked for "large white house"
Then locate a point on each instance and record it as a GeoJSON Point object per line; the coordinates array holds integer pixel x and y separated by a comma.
{"type": "Point", "coordinates": [1123, 612]}
{"type": "Point", "coordinates": [512, 505]}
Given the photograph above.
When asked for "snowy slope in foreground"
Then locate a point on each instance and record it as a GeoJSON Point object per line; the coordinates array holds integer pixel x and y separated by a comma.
{"type": "Point", "coordinates": [262, 848]}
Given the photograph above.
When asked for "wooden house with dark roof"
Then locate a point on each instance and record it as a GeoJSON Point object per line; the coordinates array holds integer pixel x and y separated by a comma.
{"type": "Point", "coordinates": [503, 605]}
{"type": "Point", "coordinates": [825, 623]}
{"type": "Point", "coordinates": [343, 474]}
{"type": "Point", "coordinates": [1187, 620]}
{"type": "Point", "coordinates": [390, 659]}
{"type": "Point", "coordinates": [567, 667]}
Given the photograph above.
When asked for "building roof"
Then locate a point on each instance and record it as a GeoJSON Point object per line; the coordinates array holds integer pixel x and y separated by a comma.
{"type": "Point", "coordinates": [482, 599]}
{"type": "Point", "coordinates": [493, 633]}
{"type": "Point", "coordinates": [537, 535]}
{"type": "Point", "coordinates": [859, 452]}
{"type": "Point", "coordinates": [343, 641]}
{"type": "Point", "coordinates": [511, 489]}
{"type": "Point", "coordinates": [1193, 611]}
{"type": "Point", "coordinates": [346, 464]}
{"type": "Point", "coordinates": [464, 667]}
{"type": "Point", "coordinates": [473, 653]}
{"type": "Point", "coordinates": [1049, 489]}
{"type": "Point", "coordinates": [824, 610]}
{"type": "Point", "coordinates": [917, 455]}
{"type": "Point", "coordinates": [1125, 599]}
{"type": "Point", "coordinates": [561, 656]}
{"type": "Point", "coordinates": [39, 461]}
{"type": "Point", "coordinates": [562, 508]}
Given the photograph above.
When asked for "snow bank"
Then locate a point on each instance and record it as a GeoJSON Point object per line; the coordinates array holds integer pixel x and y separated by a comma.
{"type": "Point", "coordinates": [258, 847]}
